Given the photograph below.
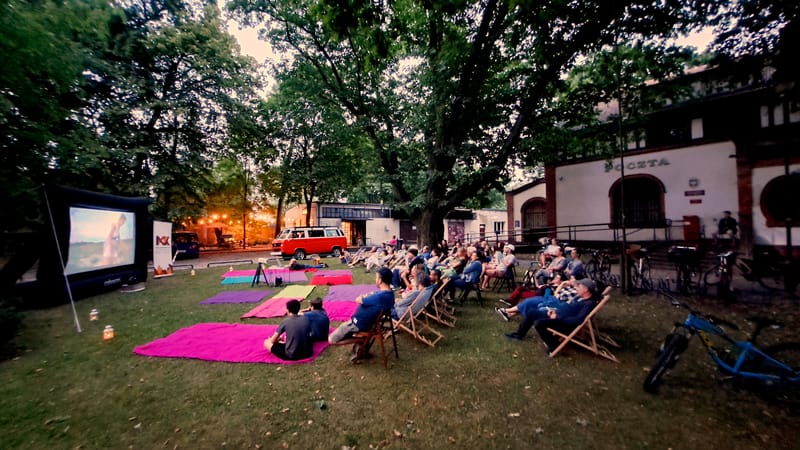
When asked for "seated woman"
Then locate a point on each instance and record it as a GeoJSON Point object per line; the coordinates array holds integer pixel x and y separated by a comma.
{"type": "Point", "coordinates": [294, 265]}
{"type": "Point", "coordinates": [549, 252]}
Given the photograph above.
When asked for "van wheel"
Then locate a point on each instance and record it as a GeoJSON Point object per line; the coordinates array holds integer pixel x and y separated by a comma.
{"type": "Point", "coordinates": [337, 252]}
{"type": "Point", "coordinates": [299, 254]}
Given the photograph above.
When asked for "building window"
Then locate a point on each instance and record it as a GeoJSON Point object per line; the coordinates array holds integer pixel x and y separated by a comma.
{"type": "Point", "coordinates": [534, 214]}
{"type": "Point", "coordinates": [644, 202]}
{"type": "Point", "coordinates": [778, 200]}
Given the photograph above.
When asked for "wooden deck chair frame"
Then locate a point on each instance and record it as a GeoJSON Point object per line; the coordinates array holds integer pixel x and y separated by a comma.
{"type": "Point", "coordinates": [381, 331]}
{"type": "Point", "coordinates": [415, 322]}
{"type": "Point", "coordinates": [438, 309]}
{"type": "Point", "coordinates": [587, 334]}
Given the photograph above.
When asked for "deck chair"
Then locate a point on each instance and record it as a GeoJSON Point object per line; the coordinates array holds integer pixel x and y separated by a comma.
{"type": "Point", "coordinates": [415, 322]}
{"type": "Point", "coordinates": [438, 309]}
{"type": "Point", "coordinates": [587, 334]}
{"type": "Point", "coordinates": [509, 280]}
{"type": "Point", "coordinates": [381, 331]}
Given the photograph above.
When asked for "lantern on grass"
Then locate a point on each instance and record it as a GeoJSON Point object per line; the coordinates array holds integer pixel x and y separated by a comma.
{"type": "Point", "coordinates": [108, 333]}
{"type": "Point", "coordinates": [93, 315]}
{"type": "Point", "coordinates": [193, 272]}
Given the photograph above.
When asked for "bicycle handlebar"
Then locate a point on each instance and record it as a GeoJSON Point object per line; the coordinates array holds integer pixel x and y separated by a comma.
{"type": "Point", "coordinates": [713, 319]}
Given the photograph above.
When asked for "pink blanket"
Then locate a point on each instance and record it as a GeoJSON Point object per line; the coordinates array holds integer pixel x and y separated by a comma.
{"type": "Point", "coordinates": [228, 342]}
{"type": "Point", "coordinates": [329, 280]}
{"type": "Point", "coordinates": [340, 311]}
{"type": "Point", "coordinates": [348, 292]}
{"type": "Point", "coordinates": [274, 307]}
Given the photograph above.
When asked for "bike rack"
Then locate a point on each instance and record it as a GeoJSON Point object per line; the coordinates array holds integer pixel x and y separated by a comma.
{"type": "Point", "coordinates": [223, 263]}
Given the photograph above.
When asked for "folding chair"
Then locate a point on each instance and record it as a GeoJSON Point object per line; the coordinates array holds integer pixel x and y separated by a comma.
{"type": "Point", "coordinates": [472, 287]}
{"type": "Point", "coordinates": [587, 334]}
{"type": "Point", "coordinates": [415, 322]}
{"type": "Point", "coordinates": [380, 331]}
{"type": "Point", "coordinates": [439, 310]}
{"type": "Point", "coordinates": [509, 280]}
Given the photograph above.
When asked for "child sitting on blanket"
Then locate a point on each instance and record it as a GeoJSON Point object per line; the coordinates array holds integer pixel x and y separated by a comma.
{"type": "Point", "coordinates": [297, 329]}
{"type": "Point", "coordinates": [318, 318]}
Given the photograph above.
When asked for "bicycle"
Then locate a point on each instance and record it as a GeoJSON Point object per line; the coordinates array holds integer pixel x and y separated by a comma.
{"type": "Point", "coordinates": [687, 267]}
{"type": "Point", "coordinates": [598, 268]}
{"type": "Point", "coordinates": [721, 275]}
{"type": "Point", "coordinates": [775, 369]}
{"type": "Point", "coordinates": [640, 264]}
{"type": "Point", "coordinates": [770, 270]}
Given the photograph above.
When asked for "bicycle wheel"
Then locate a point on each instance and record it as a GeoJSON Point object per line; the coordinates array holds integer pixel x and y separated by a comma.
{"type": "Point", "coordinates": [591, 269]}
{"type": "Point", "coordinates": [787, 390]}
{"type": "Point", "coordinates": [674, 346]}
{"type": "Point", "coordinates": [712, 277]}
{"type": "Point", "coordinates": [772, 282]}
{"type": "Point", "coordinates": [647, 282]}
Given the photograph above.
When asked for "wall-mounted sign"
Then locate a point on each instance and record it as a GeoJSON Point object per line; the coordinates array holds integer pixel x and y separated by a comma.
{"type": "Point", "coordinates": [694, 193]}
{"type": "Point", "coordinates": [695, 201]}
{"type": "Point", "coordinates": [694, 182]}
{"type": "Point", "coordinates": [639, 164]}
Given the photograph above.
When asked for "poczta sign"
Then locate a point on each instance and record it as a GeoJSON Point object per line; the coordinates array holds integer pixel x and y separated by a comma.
{"type": "Point", "coordinates": [642, 164]}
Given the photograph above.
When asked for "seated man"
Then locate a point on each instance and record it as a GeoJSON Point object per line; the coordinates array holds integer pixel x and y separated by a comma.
{"type": "Point", "coordinates": [318, 319]}
{"type": "Point", "coordinates": [297, 329]}
{"type": "Point", "coordinates": [294, 265]}
{"type": "Point", "coordinates": [527, 290]}
{"type": "Point", "coordinates": [575, 265]}
{"type": "Point", "coordinates": [568, 301]}
{"type": "Point", "coordinates": [472, 271]}
{"type": "Point", "coordinates": [727, 228]}
{"type": "Point", "coordinates": [557, 265]}
{"type": "Point", "coordinates": [499, 271]}
{"type": "Point", "coordinates": [401, 277]}
{"type": "Point", "coordinates": [566, 321]}
{"type": "Point", "coordinates": [369, 308]}
{"type": "Point", "coordinates": [407, 299]}
{"type": "Point", "coordinates": [549, 252]}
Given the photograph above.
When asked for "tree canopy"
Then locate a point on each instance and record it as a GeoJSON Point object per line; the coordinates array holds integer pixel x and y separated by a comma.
{"type": "Point", "coordinates": [450, 93]}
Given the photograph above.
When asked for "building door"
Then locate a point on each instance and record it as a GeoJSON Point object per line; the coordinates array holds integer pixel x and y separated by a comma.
{"type": "Point", "coordinates": [408, 232]}
{"type": "Point", "coordinates": [534, 220]}
{"type": "Point", "coordinates": [455, 231]}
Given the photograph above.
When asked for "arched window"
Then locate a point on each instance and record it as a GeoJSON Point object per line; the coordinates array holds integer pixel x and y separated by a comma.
{"type": "Point", "coordinates": [778, 201]}
{"type": "Point", "coordinates": [644, 202]}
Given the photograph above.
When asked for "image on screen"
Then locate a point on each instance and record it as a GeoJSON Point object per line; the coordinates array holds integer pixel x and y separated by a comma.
{"type": "Point", "coordinates": [100, 238]}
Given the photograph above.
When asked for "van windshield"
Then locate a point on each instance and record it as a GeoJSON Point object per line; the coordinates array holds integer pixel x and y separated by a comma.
{"type": "Point", "coordinates": [285, 234]}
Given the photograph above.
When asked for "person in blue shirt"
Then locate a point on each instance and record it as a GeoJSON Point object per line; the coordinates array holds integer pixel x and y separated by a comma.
{"type": "Point", "coordinates": [369, 308]}
{"type": "Point", "coordinates": [472, 271]}
{"type": "Point", "coordinates": [318, 318]}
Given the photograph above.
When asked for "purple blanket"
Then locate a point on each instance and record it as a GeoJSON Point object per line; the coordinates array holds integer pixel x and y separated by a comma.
{"type": "Point", "coordinates": [334, 272]}
{"type": "Point", "coordinates": [227, 342]}
{"type": "Point", "coordinates": [344, 292]}
{"type": "Point", "coordinates": [236, 297]}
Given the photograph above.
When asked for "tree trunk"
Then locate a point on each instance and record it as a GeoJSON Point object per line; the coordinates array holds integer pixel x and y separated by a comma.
{"type": "Point", "coordinates": [430, 227]}
{"type": "Point", "coordinates": [278, 215]}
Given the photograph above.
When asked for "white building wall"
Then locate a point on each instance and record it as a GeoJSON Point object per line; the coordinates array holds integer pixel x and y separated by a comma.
{"type": "Point", "coordinates": [705, 173]}
{"type": "Point", "coordinates": [381, 230]}
{"type": "Point", "coordinates": [539, 190]}
{"type": "Point", "coordinates": [762, 234]}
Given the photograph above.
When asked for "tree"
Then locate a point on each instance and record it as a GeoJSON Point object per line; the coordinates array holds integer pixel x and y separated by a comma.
{"type": "Point", "coordinates": [450, 92]}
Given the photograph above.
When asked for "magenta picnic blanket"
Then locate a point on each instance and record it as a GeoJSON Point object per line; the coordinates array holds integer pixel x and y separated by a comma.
{"type": "Point", "coordinates": [332, 277]}
{"type": "Point", "coordinates": [274, 307]}
{"type": "Point", "coordinates": [236, 297]}
{"type": "Point", "coordinates": [227, 342]}
{"type": "Point", "coordinates": [340, 311]}
{"type": "Point", "coordinates": [346, 292]}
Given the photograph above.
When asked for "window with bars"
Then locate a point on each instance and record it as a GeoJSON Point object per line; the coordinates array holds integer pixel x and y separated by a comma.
{"type": "Point", "coordinates": [644, 202]}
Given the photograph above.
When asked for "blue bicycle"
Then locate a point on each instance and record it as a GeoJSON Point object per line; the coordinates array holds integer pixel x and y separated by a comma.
{"type": "Point", "coordinates": [773, 371]}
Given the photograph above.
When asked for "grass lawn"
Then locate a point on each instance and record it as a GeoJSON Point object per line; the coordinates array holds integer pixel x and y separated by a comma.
{"type": "Point", "coordinates": [476, 389]}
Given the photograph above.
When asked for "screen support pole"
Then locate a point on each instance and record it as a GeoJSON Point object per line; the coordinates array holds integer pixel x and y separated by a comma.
{"type": "Point", "coordinates": [61, 261]}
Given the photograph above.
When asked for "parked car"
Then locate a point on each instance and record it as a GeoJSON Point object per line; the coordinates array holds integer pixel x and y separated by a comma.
{"type": "Point", "coordinates": [226, 241]}
{"type": "Point", "coordinates": [187, 243]}
{"type": "Point", "coordinates": [301, 241]}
